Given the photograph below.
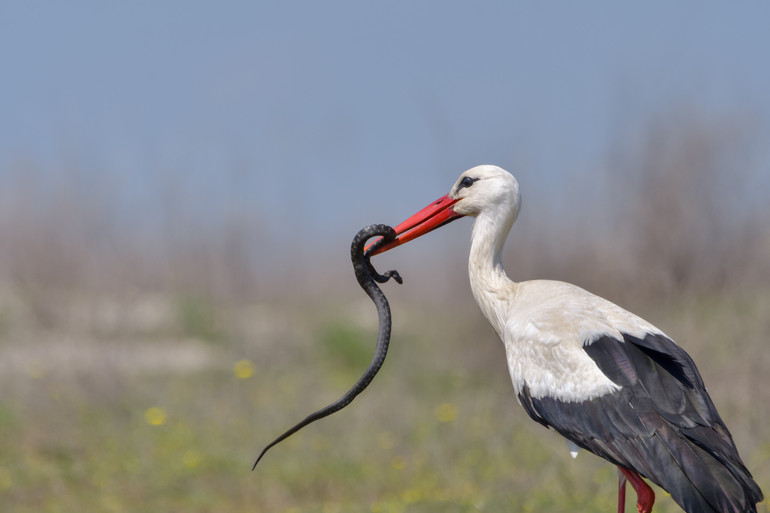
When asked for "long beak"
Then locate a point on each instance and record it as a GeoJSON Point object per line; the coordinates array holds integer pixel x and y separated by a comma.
{"type": "Point", "coordinates": [435, 215]}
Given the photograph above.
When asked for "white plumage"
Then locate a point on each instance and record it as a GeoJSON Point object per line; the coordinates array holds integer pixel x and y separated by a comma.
{"type": "Point", "coordinates": [543, 345]}
{"type": "Point", "coordinates": [607, 380]}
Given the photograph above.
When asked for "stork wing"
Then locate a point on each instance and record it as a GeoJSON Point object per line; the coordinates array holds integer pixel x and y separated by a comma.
{"type": "Point", "coordinates": [661, 424]}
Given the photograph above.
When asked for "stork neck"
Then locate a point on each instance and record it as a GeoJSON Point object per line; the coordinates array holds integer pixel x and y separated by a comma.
{"type": "Point", "coordinates": [485, 266]}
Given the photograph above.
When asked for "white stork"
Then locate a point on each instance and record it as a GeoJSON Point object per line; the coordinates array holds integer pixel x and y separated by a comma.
{"type": "Point", "coordinates": [605, 379]}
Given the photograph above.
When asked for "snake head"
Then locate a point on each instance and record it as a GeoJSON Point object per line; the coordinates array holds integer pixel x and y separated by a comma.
{"type": "Point", "coordinates": [360, 255]}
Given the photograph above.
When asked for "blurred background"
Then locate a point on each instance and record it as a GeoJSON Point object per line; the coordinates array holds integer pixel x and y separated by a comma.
{"type": "Point", "coordinates": [180, 183]}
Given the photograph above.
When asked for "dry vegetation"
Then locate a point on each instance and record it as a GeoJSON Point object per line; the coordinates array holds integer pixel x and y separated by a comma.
{"type": "Point", "coordinates": [147, 368]}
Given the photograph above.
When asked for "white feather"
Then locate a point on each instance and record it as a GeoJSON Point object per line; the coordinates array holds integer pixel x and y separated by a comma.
{"type": "Point", "coordinates": [573, 449]}
{"type": "Point", "coordinates": [543, 324]}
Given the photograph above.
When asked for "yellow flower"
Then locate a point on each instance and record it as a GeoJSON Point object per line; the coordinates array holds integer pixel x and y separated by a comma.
{"type": "Point", "coordinates": [155, 416]}
{"type": "Point", "coordinates": [243, 369]}
{"type": "Point", "coordinates": [191, 458]}
{"type": "Point", "coordinates": [446, 412]}
{"type": "Point", "coordinates": [399, 462]}
{"type": "Point", "coordinates": [411, 495]}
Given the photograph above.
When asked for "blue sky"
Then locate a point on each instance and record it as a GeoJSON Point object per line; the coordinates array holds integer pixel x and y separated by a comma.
{"type": "Point", "coordinates": [327, 116]}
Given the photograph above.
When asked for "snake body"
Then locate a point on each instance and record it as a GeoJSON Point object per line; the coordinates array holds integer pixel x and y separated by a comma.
{"type": "Point", "coordinates": [367, 278]}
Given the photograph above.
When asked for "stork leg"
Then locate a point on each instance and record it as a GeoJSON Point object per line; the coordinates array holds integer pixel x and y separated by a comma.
{"type": "Point", "coordinates": [645, 497]}
{"type": "Point", "coordinates": [621, 492]}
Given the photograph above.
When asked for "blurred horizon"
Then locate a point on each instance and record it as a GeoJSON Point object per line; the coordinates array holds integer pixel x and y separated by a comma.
{"type": "Point", "coordinates": [312, 120]}
{"type": "Point", "coordinates": [282, 128]}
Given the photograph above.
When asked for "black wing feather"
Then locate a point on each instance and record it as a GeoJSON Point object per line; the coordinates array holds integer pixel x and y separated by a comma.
{"type": "Point", "coordinates": [661, 424]}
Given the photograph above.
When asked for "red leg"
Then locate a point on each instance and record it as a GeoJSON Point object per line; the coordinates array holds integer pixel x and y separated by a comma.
{"type": "Point", "coordinates": [621, 492]}
{"type": "Point", "coordinates": [645, 497]}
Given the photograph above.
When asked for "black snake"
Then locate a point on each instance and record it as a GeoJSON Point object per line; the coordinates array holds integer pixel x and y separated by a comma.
{"type": "Point", "coordinates": [368, 278]}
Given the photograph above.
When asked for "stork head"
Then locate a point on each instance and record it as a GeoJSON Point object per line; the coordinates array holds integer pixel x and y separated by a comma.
{"type": "Point", "coordinates": [486, 189]}
{"type": "Point", "coordinates": [480, 190]}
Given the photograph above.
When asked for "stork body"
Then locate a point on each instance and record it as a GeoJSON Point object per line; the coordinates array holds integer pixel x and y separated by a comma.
{"type": "Point", "coordinates": [604, 378]}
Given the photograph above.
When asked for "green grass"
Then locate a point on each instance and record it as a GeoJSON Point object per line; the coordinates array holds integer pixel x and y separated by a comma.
{"type": "Point", "coordinates": [439, 429]}
{"type": "Point", "coordinates": [198, 317]}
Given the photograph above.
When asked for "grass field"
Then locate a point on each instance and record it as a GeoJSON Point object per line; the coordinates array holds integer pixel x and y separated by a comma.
{"type": "Point", "coordinates": [162, 405]}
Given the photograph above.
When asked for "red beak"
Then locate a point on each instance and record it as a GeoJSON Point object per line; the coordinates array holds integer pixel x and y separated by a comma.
{"type": "Point", "coordinates": [435, 215]}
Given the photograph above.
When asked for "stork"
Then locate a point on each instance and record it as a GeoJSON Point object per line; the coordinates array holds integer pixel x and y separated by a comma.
{"type": "Point", "coordinates": [605, 379]}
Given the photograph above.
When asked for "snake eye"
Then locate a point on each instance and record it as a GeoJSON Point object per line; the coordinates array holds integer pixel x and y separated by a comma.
{"type": "Point", "coordinates": [467, 182]}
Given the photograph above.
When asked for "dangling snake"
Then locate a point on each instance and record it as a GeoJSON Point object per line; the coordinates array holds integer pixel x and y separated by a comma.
{"type": "Point", "coordinates": [368, 278]}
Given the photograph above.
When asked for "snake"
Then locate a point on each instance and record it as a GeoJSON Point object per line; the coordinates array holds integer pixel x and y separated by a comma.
{"type": "Point", "coordinates": [368, 278]}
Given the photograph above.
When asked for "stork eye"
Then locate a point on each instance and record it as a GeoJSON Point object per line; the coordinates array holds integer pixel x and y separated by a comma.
{"type": "Point", "coordinates": [467, 182]}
